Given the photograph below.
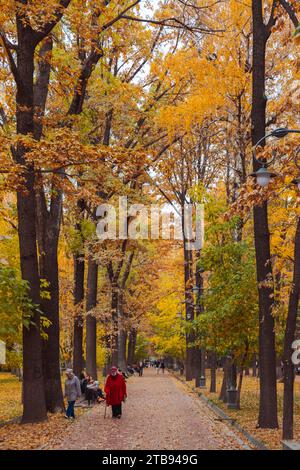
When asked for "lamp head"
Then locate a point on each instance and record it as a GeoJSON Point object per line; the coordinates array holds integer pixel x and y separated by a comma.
{"type": "Point", "coordinates": [280, 132]}
{"type": "Point", "coordinates": [263, 177]}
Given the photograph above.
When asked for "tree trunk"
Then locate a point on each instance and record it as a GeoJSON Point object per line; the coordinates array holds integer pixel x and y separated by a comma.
{"type": "Point", "coordinates": [213, 376]}
{"type": "Point", "coordinates": [291, 323]}
{"type": "Point", "coordinates": [79, 268]}
{"type": "Point", "coordinates": [254, 366]}
{"type": "Point", "coordinates": [122, 334]}
{"type": "Point", "coordinates": [33, 386]}
{"type": "Point", "coordinates": [122, 338]}
{"type": "Point", "coordinates": [189, 309]}
{"type": "Point", "coordinates": [241, 372]}
{"type": "Point", "coordinates": [267, 356]}
{"type": "Point", "coordinates": [225, 382]}
{"type": "Point", "coordinates": [122, 349]}
{"type": "Point", "coordinates": [91, 324]}
{"type": "Point", "coordinates": [50, 307]}
{"type": "Point", "coordinates": [199, 353]}
{"type": "Point", "coordinates": [232, 376]}
{"type": "Point", "coordinates": [114, 339]}
{"type": "Point", "coordinates": [131, 346]}
{"type": "Point", "coordinates": [240, 383]}
{"type": "Point", "coordinates": [48, 229]}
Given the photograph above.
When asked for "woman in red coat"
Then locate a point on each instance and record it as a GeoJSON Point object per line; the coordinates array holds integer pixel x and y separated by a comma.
{"type": "Point", "coordinates": [115, 391]}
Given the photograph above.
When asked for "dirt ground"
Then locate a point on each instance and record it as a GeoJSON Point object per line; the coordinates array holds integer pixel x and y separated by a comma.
{"type": "Point", "coordinates": [158, 415]}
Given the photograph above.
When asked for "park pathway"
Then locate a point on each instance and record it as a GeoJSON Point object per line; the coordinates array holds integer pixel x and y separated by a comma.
{"type": "Point", "coordinates": [159, 415]}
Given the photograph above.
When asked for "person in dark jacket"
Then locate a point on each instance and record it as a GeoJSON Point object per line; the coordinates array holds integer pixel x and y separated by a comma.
{"type": "Point", "coordinates": [115, 391]}
{"type": "Point", "coordinates": [83, 381]}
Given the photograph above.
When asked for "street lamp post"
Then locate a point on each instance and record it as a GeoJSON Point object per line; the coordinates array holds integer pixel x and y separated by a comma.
{"type": "Point", "coordinates": [263, 176]}
{"type": "Point", "coordinates": [198, 290]}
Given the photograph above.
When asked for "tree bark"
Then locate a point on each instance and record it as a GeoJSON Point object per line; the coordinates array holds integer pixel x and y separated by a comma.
{"type": "Point", "coordinates": [33, 386]}
{"type": "Point", "coordinates": [291, 323]}
{"type": "Point", "coordinates": [189, 310]}
{"type": "Point", "coordinates": [91, 323]}
{"type": "Point", "coordinates": [122, 335]}
{"type": "Point", "coordinates": [79, 268]}
{"type": "Point", "coordinates": [226, 379]}
{"type": "Point", "coordinates": [213, 376]}
{"type": "Point", "coordinates": [267, 355]}
{"type": "Point", "coordinates": [122, 339]}
{"type": "Point", "coordinates": [48, 230]}
{"type": "Point", "coordinates": [131, 346]}
{"type": "Point", "coordinates": [200, 353]}
{"type": "Point", "coordinates": [240, 383]}
{"type": "Point", "coordinates": [254, 366]}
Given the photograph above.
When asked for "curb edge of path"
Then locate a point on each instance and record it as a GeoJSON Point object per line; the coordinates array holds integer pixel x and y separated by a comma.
{"type": "Point", "coordinates": [219, 412]}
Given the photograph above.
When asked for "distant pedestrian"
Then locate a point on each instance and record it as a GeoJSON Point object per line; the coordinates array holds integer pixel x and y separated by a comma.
{"type": "Point", "coordinates": [141, 368]}
{"type": "Point", "coordinates": [72, 392]}
{"type": "Point", "coordinates": [162, 366]}
{"type": "Point", "coordinates": [115, 391]}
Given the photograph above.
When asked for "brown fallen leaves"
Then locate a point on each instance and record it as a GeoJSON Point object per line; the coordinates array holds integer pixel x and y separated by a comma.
{"type": "Point", "coordinates": [247, 415]}
{"type": "Point", "coordinates": [10, 396]}
{"type": "Point", "coordinates": [26, 436]}
{"type": "Point", "coordinates": [35, 436]}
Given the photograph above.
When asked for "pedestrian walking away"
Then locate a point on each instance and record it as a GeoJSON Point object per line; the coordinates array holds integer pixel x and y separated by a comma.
{"type": "Point", "coordinates": [72, 392]}
{"type": "Point", "coordinates": [115, 391]}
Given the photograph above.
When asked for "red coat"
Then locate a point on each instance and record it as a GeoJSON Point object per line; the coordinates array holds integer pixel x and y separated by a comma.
{"type": "Point", "coordinates": [115, 389]}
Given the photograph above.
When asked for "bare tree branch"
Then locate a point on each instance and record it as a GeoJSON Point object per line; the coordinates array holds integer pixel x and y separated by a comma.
{"type": "Point", "coordinates": [290, 11]}
{"type": "Point", "coordinates": [47, 28]}
{"type": "Point", "coordinates": [11, 60]}
{"type": "Point", "coordinates": [174, 23]}
{"type": "Point", "coordinates": [120, 15]}
{"type": "Point", "coordinates": [272, 19]}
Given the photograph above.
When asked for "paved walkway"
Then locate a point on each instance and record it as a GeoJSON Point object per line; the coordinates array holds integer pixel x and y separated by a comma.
{"type": "Point", "coordinates": [159, 415]}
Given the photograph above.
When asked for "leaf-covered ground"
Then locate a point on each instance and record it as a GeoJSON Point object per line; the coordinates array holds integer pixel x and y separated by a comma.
{"type": "Point", "coordinates": [10, 396]}
{"type": "Point", "coordinates": [35, 436]}
{"type": "Point", "coordinates": [247, 416]}
{"type": "Point", "coordinates": [160, 413]}
{"type": "Point", "coordinates": [29, 436]}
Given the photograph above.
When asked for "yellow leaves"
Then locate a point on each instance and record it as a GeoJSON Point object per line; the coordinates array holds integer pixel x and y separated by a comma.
{"type": "Point", "coordinates": [247, 415]}
{"type": "Point", "coordinates": [10, 396]}
{"type": "Point", "coordinates": [37, 13]}
{"type": "Point", "coordinates": [297, 36]}
{"type": "Point", "coordinates": [34, 436]}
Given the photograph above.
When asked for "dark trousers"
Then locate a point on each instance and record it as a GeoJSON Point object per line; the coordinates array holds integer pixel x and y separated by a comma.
{"type": "Point", "coordinates": [116, 410]}
{"type": "Point", "coordinates": [70, 410]}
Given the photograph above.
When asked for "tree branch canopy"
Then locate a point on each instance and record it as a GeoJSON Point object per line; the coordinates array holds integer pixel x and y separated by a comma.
{"type": "Point", "coordinates": [47, 28]}
{"type": "Point", "coordinates": [290, 11]}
